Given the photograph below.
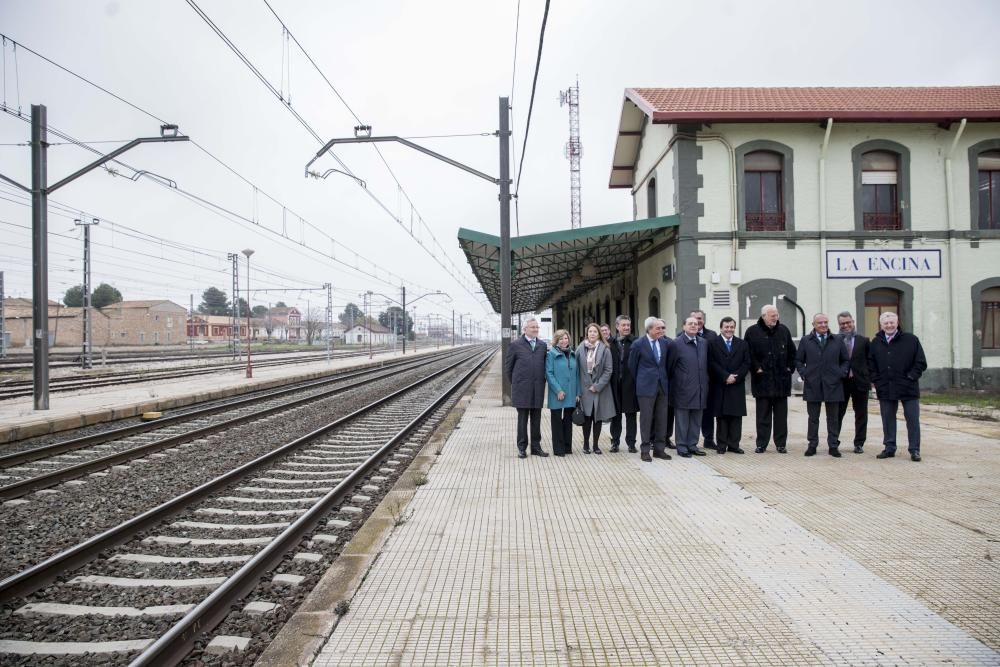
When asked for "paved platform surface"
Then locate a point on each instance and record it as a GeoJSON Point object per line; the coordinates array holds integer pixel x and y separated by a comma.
{"type": "Point", "coordinates": [72, 409]}
{"type": "Point", "coordinates": [760, 559]}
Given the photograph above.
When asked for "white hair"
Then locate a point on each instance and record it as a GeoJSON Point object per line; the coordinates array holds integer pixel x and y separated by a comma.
{"type": "Point", "coordinates": [763, 310]}
{"type": "Point", "coordinates": [524, 325]}
{"type": "Point", "coordinates": [650, 322]}
{"type": "Point", "coordinates": [885, 316]}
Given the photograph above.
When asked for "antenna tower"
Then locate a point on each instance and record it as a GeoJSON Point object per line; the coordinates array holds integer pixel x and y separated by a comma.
{"type": "Point", "coordinates": [573, 152]}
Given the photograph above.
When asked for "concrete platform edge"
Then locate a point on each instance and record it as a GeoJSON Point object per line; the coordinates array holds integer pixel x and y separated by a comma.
{"type": "Point", "coordinates": [310, 627]}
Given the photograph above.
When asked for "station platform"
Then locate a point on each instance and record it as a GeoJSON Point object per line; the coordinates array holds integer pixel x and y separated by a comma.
{"type": "Point", "coordinates": [73, 409]}
{"type": "Point", "coordinates": [759, 559]}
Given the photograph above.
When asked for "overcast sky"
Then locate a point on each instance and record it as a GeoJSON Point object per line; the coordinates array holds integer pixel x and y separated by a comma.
{"type": "Point", "coordinates": [407, 68]}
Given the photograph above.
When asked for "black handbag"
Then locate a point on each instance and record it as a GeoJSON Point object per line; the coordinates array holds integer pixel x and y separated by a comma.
{"type": "Point", "coordinates": [578, 417]}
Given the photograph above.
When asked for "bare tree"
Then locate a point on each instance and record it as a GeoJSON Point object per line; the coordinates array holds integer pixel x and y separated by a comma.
{"type": "Point", "coordinates": [314, 323]}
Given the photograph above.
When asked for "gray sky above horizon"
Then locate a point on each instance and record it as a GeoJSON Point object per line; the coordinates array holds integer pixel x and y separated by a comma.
{"type": "Point", "coordinates": [409, 69]}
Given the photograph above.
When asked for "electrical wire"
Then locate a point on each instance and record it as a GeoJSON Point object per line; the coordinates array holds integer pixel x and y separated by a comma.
{"type": "Point", "coordinates": [531, 103]}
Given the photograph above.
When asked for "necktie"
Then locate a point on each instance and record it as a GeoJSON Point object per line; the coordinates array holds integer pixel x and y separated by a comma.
{"type": "Point", "coordinates": [531, 341]}
{"type": "Point", "coordinates": [850, 353]}
{"type": "Point", "coordinates": [822, 341]}
{"type": "Point", "coordinates": [656, 347]}
{"type": "Point", "coordinates": [729, 345]}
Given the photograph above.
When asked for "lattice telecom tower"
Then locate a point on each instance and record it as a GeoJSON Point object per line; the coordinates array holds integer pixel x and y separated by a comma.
{"type": "Point", "coordinates": [573, 151]}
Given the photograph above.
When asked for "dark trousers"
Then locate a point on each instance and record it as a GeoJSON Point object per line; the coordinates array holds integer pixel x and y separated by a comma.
{"type": "Point", "coordinates": [859, 399]}
{"type": "Point", "coordinates": [688, 427]}
{"type": "Point", "coordinates": [670, 423]}
{"type": "Point", "coordinates": [708, 419]}
{"type": "Point", "coordinates": [728, 431]}
{"type": "Point", "coordinates": [653, 422]}
{"type": "Point", "coordinates": [523, 416]}
{"type": "Point", "coordinates": [832, 423]}
{"type": "Point", "coordinates": [562, 430]}
{"type": "Point", "coordinates": [630, 429]}
{"type": "Point", "coordinates": [774, 408]}
{"type": "Point", "coordinates": [587, 426]}
{"type": "Point", "coordinates": [911, 412]}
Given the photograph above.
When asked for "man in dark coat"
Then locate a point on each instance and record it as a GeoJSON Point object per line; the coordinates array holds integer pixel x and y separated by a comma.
{"type": "Point", "coordinates": [896, 361]}
{"type": "Point", "coordinates": [708, 416]}
{"type": "Point", "coordinates": [822, 363]}
{"type": "Point", "coordinates": [623, 386]}
{"type": "Point", "coordinates": [526, 370]}
{"type": "Point", "coordinates": [772, 359]}
{"type": "Point", "coordinates": [687, 368]}
{"type": "Point", "coordinates": [647, 361]}
{"type": "Point", "coordinates": [728, 365]}
{"type": "Point", "coordinates": [858, 382]}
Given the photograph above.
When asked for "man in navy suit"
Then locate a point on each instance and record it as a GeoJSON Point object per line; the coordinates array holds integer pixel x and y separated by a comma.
{"type": "Point", "coordinates": [648, 363]}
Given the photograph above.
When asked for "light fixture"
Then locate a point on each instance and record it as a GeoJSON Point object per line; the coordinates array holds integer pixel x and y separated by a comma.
{"type": "Point", "coordinates": [169, 130]}
{"type": "Point", "coordinates": [362, 131]}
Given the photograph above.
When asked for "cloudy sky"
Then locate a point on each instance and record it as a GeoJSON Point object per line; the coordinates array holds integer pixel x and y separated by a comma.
{"type": "Point", "coordinates": [413, 69]}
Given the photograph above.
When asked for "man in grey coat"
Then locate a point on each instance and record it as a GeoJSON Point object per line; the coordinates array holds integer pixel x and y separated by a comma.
{"type": "Point", "coordinates": [525, 369]}
{"type": "Point", "coordinates": [822, 362]}
{"type": "Point", "coordinates": [688, 369]}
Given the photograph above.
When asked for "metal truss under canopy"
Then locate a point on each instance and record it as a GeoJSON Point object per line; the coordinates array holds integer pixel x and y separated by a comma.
{"type": "Point", "coordinates": [555, 267]}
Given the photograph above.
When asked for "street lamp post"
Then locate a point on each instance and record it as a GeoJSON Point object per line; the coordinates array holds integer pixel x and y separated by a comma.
{"type": "Point", "coordinates": [248, 252]}
{"type": "Point", "coordinates": [40, 191]}
{"type": "Point", "coordinates": [503, 134]}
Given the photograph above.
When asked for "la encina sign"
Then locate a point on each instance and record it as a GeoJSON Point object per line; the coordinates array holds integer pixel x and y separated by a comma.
{"type": "Point", "coordinates": [883, 263]}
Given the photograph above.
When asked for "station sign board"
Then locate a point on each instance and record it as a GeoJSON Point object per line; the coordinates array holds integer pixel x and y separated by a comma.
{"type": "Point", "coordinates": [883, 263]}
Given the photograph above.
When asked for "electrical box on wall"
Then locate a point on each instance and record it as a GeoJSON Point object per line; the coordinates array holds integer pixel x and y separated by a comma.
{"type": "Point", "coordinates": [668, 273]}
{"type": "Point", "coordinates": [735, 277]}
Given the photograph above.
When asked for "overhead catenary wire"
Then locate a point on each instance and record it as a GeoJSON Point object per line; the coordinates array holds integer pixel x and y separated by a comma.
{"type": "Point", "coordinates": [531, 102]}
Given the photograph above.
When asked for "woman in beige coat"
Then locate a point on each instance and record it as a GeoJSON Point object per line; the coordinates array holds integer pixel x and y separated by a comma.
{"type": "Point", "coordinates": [593, 359]}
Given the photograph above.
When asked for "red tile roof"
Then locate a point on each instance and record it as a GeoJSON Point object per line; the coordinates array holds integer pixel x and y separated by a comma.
{"type": "Point", "coordinates": [670, 105]}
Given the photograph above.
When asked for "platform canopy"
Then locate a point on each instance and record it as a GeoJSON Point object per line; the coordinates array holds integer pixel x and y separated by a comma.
{"type": "Point", "coordinates": [555, 267]}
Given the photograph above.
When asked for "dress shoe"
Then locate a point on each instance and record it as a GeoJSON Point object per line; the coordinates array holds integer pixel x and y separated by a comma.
{"type": "Point", "coordinates": [684, 455]}
{"type": "Point", "coordinates": [586, 449]}
{"type": "Point", "coordinates": [915, 457]}
{"type": "Point", "coordinates": [885, 454]}
{"type": "Point", "coordinates": [597, 450]}
{"type": "Point", "coordinates": [539, 452]}
{"type": "Point", "coordinates": [522, 455]}
{"type": "Point", "coordinates": [663, 455]}
{"type": "Point", "coordinates": [698, 452]}
{"type": "Point", "coordinates": [646, 457]}
{"type": "Point", "coordinates": [835, 453]}
{"type": "Point", "coordinates": [614, 449]}
{"type": "Point", "coordinates": [632, 449]}
{"type": "Point", "coordinates": [782, 450]}
{"type": "Point", "coordinates": [760, 450]}
{"type": "Point", "coordinates": [560, 454]}
{"type": "Point", "coordinates": [810, 451]}
{"type": "Point", "coordinates": [721, 449]}
{"type": "Point", "coordinates": [670, 445]}
{"type": "Point", "coordinates": [709, 444]}
{"type": "Point", "coordinates": [736, 450]}
{"type": "Point", "coordinates": [859, 449]}
{"type": "Point", "coordinates": [569, 451]}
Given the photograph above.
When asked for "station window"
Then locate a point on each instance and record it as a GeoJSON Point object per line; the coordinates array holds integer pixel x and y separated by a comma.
{"type": "Point", "coordinates": [763, 201]}
{"type": "Point", "coordinates": [651, 198]}
{"type": "Point", "coordinates": [654, 303]}
{"type": "Point", "coordinates": [989, 190]}
{"type": "Point", "coordinates": [879, 193]}
{"type": "Point", "coordinates": [878, 301]}
{"type": "Point", "coordinates": [991, 318]}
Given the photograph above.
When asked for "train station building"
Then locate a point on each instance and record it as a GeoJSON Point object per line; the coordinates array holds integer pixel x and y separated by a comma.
{"type": "Point", "coordinates": [826, 199]}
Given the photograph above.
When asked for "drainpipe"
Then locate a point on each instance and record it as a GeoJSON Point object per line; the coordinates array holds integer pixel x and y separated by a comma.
{"type": "Point", "coordinates": [824, 291]}
{"type": "Point", "coordinates": [949, 190]}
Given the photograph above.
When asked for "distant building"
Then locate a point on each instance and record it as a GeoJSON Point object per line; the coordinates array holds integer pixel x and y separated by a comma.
{"type": "Point", "coordinates": [285, 324]}
{"type": "Point", "coordinates": [65, 324]}
{"type": "Point", "coordinates": [154, 322]}
{"type": "Point", "coordinates": [359, 334]}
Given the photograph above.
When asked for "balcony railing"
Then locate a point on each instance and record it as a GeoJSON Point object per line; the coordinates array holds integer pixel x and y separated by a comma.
{"type": "Point", "coordinates": [882, 221]}
{"type": "Point", "coordinates": [765, 222]}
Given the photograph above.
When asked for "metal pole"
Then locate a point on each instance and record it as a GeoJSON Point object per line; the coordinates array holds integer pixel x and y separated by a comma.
{"type": "Point", "coordinates": [406, 329]}
{"type": "Point", "coordinates": [39, 256]}
{"type": "Point", "coordinates": [3, 322]}
{"type": "Point", "coordinates": [453, 327]}
{"type": "Point", "coordinates": [368, 320]}
{"type": "Point", "coordinates": [88, 337]}
{"type": "Point", "coordinates": [505, 301]}
{"type": "Point", "coordinates": [249, 363]}
{"type": "Point", "coordinates": [329, 320]}
{"type": "Point", "coordinates": [190, 327]}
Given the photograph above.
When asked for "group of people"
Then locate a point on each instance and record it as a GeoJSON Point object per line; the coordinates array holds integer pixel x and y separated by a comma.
{"type": "Point", "coordinates": [693, 386]}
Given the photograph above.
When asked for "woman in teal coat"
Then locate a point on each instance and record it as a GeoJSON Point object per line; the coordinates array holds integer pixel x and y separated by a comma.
{"type": "Point", "coordinates": [564, 390]}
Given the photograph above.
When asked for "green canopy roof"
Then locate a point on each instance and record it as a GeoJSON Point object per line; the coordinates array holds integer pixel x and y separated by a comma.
{"type": "Point", "coordinates": [554, 267]}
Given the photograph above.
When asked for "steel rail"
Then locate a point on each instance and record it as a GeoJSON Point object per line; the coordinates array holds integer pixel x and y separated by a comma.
{"type": "Point", "coordinates": [35, 577]}
{"type": "Point", "coordinates": [26, 486]}
{"type": "Point", "coordinates": [29, 455]}
{"type": "Point", "coordinates": [172, 647]}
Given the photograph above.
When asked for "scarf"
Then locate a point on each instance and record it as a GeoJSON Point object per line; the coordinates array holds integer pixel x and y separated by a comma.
{"type": "Point", "coordinates": [591, 355]}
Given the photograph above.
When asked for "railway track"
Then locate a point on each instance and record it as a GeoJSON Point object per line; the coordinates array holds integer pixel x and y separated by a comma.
{"type": "Point", "coordinates": [29, 470]}
{"type": "Point", "coordinates": [239, 550]}
{"type": "Point", "coordinates": [21, 388]}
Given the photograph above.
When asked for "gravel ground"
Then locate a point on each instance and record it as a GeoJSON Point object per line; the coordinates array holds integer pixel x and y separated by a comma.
{"type": "Point", "coordinates": [261, 628]}
{"type": "Point", "coordinates": [51, 523]}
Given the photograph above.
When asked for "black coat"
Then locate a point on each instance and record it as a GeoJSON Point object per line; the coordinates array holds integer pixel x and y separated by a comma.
{"type": "Point", "coordinates": [526, 371]}
{"type": "Point", "coordinates": [896, 367]}
{"type": "Point", "coordinates": [729, 400]}
{"type": "Point", "coordinates": [773, 352]}
{"type": "Point", "coordinates": [687, 367]}
{"type": "Point", "coordinates": [860, 379]}
{"type": "Point", "coordinates": [622, 382]}
{"type": "Point", "coordinates": [822, 369]}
